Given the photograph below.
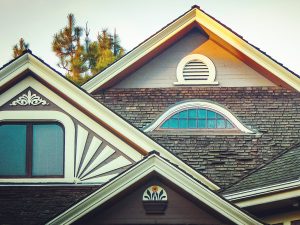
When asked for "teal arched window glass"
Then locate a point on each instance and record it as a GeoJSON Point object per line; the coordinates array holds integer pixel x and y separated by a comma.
{"type": "Point", "coordinates": [198, 118]}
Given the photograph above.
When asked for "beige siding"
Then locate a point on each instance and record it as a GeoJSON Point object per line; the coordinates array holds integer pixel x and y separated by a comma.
{"type": "Point", "coordinates": [161, 71]}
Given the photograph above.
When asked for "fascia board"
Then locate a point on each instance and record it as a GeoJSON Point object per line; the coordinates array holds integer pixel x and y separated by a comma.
{"type": "Point", "coordinates": [15, 68]}
{"type": "Point", "coordinates": [139, 52]}
{"type": "Point", "coordinates": [257, 192]}
{"type": "Point", "coordinates": [273, 197]}
{"type": "Point", "coordinates": [248, 50]}
{"type": "Point", "coordinates": [98, 110]}
{"type": "Point", "coordinates": [159, 165]}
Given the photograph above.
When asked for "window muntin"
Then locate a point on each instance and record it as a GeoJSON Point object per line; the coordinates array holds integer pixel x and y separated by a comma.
{"type": "Point", "coordinates": [38, 150]}
{"type": "Point", "coordinates": [196, 118]}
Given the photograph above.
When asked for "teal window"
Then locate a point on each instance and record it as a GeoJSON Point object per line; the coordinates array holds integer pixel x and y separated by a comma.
{"type": "Point", "coordinates": [31, 150]}
{"type": "Point", "coordinates": [196, 119]}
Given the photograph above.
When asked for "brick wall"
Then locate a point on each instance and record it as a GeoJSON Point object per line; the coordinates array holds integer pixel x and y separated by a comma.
{"type": "Point", "coordinates": [223, 158]}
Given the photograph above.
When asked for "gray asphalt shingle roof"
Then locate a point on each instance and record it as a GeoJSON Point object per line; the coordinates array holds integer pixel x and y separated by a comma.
{"type": "Point", "coordinates": [282, 168]}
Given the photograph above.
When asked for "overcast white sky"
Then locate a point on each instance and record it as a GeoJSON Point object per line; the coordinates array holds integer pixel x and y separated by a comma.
{"type": "Point", "coordinates": [272, 25]}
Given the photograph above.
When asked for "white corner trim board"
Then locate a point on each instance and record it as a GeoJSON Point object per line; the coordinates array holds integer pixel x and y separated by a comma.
{"type": "Point", "coordinates": [154, 163]}
{"type": "Point", "coordinates": [69, 128]}
{"type": "Point", "coordinates": [199, 104]}
{"type": "Point", "coordinates": [196, 69]}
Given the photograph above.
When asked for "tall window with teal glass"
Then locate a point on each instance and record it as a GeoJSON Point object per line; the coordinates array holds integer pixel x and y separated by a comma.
{"type": "Point", "coordinates": [31, 149]}
{"type": "Point", "coordinates": [197, 118]}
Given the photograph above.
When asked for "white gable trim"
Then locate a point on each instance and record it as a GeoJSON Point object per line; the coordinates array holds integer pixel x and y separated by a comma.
{"type": "Point", "coordinates": [194, 15]}
{"type": "Point", "coordinates": [28, 61]}
{"type": "Point", "coordinates": [154, 163]}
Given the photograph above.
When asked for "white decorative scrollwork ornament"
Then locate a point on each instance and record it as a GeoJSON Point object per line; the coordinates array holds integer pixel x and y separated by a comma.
{"type": "Point", "coordinates": [29, 99]}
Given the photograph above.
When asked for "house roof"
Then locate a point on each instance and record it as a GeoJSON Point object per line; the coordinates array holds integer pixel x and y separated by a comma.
{"type": "Point", "coordinates": [216, 31]}
{"type": "Point", "coordinates": [282, 169]}
{"type": "Point", "coordinates": [15, 70]}
{"type": "Point", "coordinates": [224, 158]}
{"type": "Point", "coordinates": [154, 163]}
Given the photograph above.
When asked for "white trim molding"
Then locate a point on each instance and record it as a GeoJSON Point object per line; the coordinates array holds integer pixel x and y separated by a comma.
{"type": "Point", "coordinates": [154, 163]}
{"type": "Point", "coordinates": [208, 71]}
{"type": "Point", "coordinates": [199, 104]}
{"type": "Point", "coordinates": [69, 132]}
{"type": "Point", "coordinates": [244, 197]}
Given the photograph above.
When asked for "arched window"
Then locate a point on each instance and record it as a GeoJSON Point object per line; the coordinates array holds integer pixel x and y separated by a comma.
{"type": "Point", "coordinates": [198, 115]}
{"type": "Point", "coordinates": [196, 69]}
{"type": "Point", "coordinates": [196, 118]}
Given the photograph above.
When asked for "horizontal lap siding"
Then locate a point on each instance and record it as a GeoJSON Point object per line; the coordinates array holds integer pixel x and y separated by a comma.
{"type": "Point", "coordinates": [161, 70]}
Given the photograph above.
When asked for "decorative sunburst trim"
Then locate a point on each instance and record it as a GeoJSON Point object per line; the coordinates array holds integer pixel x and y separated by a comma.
{"type": "Point", "coordinates": [90, 165]}
{"type": "Point", "coordinates": [29, 99]}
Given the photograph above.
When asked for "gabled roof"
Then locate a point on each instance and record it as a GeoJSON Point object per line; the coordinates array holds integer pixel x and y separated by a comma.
{"type": "Point", "coordinates": [154, 163]}
{"type": "Point", "coordinates": [216, 31]}
{"type": "Point", "coordinates": [282, 172]}
{"type": "Point", "coordinates": [16, 70]}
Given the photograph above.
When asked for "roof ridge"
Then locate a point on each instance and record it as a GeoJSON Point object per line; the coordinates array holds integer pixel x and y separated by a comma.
{"type": "Point", "coordinates": [261, 166]}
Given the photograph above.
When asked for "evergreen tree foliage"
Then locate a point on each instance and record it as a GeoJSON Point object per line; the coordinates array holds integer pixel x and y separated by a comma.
{"type": "Point", "coordinates": [19, 48]}
{"type": "Point", "coordinates": [68, 49]}
{"type": "Point", "coordinates": [83, 60]}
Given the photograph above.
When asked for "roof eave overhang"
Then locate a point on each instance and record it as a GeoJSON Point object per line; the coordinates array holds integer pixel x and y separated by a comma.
{"type": "Point", "coordinates": [217, 32]}
{"type": "Point", "coordinates": [265, 194]}
{"type": "Point", "coordinates": [154, 163]}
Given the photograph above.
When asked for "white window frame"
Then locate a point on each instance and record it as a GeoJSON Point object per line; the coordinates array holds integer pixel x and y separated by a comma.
{"type": "Point", "coordinates": [199, 104]}
{"type": "Point", "coordinates": [202, 58]}
{"type": "Point", "coordinates": [69, 132]}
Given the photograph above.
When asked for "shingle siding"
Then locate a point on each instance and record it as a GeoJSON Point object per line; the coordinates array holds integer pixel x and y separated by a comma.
{"type": "Point", "coordinates": [274, 112]}
{"type": "Point", "coordinates": [37, 204]}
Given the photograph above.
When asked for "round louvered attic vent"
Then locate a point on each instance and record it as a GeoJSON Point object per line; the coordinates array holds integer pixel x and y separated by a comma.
{"type": "Point", "coordinates": [196, 70]}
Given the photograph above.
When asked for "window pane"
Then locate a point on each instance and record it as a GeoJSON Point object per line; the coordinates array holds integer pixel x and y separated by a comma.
{"type": "Point", "coordinates": [173, 123]}
{"type": "Point", "coordinates": [165, 124]}
{"type": "Point", "coordinates": [192, 113]}
{"type": "Point", "coordinates": [183, 114]}
{"type": "Point", "coordinates": [13, 150]}
{"type": "Point", "coordinates": [202, 113]}
{"type": "Point", "coordinates": [229, 125]}
{"type": "Point", "coordinates": [211, 114]}
{"type": "Point", "coordinates": [183, 123]}
{"type": "Point", "coordinates": [211, 123]}
{"type": "Point", "coordinates": [221, 123]}
{"type": "Point", "coordinates": [219, 116]}
{"type": "Point", "coordinates": [48, 150]}
{"type": "Point", "coordinates": [175, 116]}
{"type": "Point", "coordinates": [201, 123]}
{"type": "Point", "coordinates": [192, 123]}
